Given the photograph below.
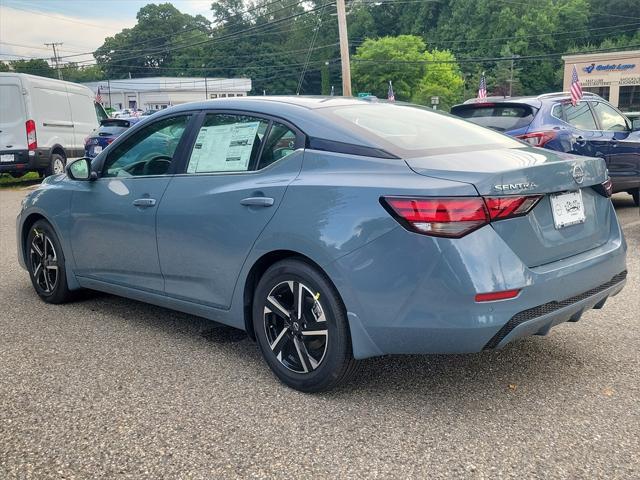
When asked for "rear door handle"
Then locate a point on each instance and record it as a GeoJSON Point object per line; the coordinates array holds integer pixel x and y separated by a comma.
{"type": "Point", "coordinates": [257, 201]}
{"type": "Point", "coordinates": [144, 202]}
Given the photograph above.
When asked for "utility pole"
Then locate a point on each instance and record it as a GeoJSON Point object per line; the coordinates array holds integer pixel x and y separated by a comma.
{"type": "Point", "coordinates": [513, 58]}
{"type": "Point", "coordinates": [344, 48]}
{"type": "Point", "coordinates": [55, 56]}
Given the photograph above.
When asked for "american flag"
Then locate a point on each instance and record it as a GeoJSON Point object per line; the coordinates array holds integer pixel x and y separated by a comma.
{"type": "Point", "coordinates": [482, 89]}
{"type": "Point", "coordinates": [98, 96]}
{"type": "Point", "coordinates": [576, 87]}
{"type": "Point", "coordinates": [390, 95]}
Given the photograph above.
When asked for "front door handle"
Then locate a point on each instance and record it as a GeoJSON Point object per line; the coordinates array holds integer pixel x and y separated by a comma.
{"type": "Point", "coordinates": [580, 140]}
{"type": "Point", "coordinates": [144, 202]}
{"type": "Point", "coordinates": [614, 142]}
{"type": "Point", "coordinates": [257, 201]}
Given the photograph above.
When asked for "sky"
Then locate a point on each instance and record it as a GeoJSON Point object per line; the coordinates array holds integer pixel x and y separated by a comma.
{"type": "Point", "coordinates": [81, 25]}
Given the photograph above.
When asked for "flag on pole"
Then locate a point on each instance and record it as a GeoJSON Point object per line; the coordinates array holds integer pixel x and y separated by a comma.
{"type": "Point", "coordinates": [390, 95]}
{"type": "Point", "coordinates": [482, 89]}
{"type": "Point", "coordinates": [576, 87]}
{"type": "Point", "coordinates": [98, 96]}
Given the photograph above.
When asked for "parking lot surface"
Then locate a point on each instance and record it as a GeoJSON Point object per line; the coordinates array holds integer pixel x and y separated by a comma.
{"type": "Point", "coordinates": [111, 388]}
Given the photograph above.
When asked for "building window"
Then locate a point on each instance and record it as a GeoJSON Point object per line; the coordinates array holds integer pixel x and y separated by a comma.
{"type": "Point", "coordinates": [601, 91]}
{"type": "Point", "coordinates": [213, 95]}
{"type": "Point", "coordinates": [231, 95]}
{"type": "Point", "coordinates": [223, 95]}
{"type": "Point", "coordinates": [629, 100]}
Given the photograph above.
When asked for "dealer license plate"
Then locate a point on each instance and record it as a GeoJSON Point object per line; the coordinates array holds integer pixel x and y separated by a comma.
{"type": "Point", "coordinates": [97, 149]}
{"type": "Point", "coordinates": [567, 209]}
{"type": "Point", "coordinates": [7, 157]}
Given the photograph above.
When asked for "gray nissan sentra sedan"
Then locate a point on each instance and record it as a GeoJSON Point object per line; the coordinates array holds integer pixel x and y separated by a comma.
{"type": "Point", "coordinates": [331, 230]}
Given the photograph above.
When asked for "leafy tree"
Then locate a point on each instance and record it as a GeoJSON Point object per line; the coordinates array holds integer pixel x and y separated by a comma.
{"type": "Point", "coordinates": [4, 67]}
{"type": "Point", "coordinates": [151, 44]}
{"type": "Point", "coordinates": [442, 78]}
{"type": "Point", "coordinates": [416, 74]}
{"type": "Point", "coordinates": [396, 59]}
{"type": "Point", "coordinates": [34, 67]}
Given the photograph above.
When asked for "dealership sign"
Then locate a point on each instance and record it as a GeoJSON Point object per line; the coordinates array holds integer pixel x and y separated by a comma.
{"type": "Point", "coordinates": [609, 67]}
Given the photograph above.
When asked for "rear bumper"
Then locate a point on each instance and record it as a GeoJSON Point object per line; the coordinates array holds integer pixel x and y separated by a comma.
{"type": "Point", "coordinates": [25, 161]}
{"type": "Point", "coordinates": [406, 293]}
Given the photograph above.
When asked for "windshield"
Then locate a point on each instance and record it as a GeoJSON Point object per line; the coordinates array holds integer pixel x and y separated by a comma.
{"type": "Point", "coordinates": [409, 130]}
{"type": "Point", "coordinates": [501, 118]}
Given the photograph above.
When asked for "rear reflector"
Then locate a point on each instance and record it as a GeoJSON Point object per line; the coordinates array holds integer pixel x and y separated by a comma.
{"type": "Point", "coordinates": [455, 217]}
{"type": "Point", "coordinates": [32, 142]}
{"type": "Point", "coordinates": [538, 139]}
{"type": "Point", "coordinates": [494, 296]}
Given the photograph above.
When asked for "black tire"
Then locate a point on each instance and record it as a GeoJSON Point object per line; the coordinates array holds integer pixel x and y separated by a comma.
{"type": "Point", "coordinates": [311, 366]}
{"type": "Point", "coordinates": [636, 196]}
{"type": "Point", "coordinates": [57, 163]}
{"type": "Point", "coordinates": [46, 267]}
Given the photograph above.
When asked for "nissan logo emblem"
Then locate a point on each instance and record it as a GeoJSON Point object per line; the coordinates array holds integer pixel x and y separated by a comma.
{"type": "Point", "coordinates": [578, 174]}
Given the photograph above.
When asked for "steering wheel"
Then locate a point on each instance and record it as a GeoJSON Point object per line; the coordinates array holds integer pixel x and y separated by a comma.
{"type": "Point", "coordinates": [157, 165]}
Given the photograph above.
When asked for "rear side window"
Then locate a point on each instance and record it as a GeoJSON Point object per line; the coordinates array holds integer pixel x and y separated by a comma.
{"type": "Point", "coordinates": [501, 118]}
{"type": "Point", "coordinates": [227, 143]}
{"type": "Point", "coordinates": [413, 131]}
{"type": "Point", "coordinates": [577, 115]}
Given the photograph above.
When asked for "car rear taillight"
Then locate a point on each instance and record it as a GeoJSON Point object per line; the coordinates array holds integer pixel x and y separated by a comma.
{"type": "Point", "coordinates": [509, 207]}
{"type": "Point", "coordinates": [605, 188]}
{"type": "Point", "coordinates": [538, 139]}
{"type": "Point", "coordinates": [440, 217]}
{"type": "Point", "coordinates": [455, 217]}
{"type": "Point", "coordinates": [32, 141]}
{"type": "Point", "coordinates": [110, 140]}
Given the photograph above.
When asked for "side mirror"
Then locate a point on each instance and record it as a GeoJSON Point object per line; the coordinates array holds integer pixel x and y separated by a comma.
{"type": "Point", "coordinates": [635, 124]}
{"type": "Point", "coordinates": [80, 169]}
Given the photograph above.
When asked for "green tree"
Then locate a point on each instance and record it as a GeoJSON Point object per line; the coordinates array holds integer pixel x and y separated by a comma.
{"type": "Point", "coordinates": [34, 67]}
{"type": "Point", "coordinates": [416, 73]}
{"type": "Point", "coordinates": [161, 32]}
{"type": "Point", "coordinates": [4, 67]}
{"type": "Point", "coordinates": [442, 78]}
{"type": "Point", "coordinates": [396, 59]}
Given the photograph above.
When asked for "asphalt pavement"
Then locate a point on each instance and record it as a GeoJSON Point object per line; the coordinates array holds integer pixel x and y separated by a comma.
{"type": "Point", "coordinates": [112, 388]}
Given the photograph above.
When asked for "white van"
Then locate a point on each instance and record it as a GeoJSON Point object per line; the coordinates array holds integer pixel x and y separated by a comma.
{"type": "Point", "coordinates": [43, 122]}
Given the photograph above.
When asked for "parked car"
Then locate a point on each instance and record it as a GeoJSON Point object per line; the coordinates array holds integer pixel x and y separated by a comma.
{"type": "Point", "coordinates": [109, 130]}
{"type": "Point", "coordinates": [593, 128]}
{"type": "Point", "coordinates": [43, 122]}
{"type": "Point", "coordinates": [127, 112]}
{"type": "Point", "coordinates": [147, 113]}
{"type": "Point", "coordinates": [331, 229]}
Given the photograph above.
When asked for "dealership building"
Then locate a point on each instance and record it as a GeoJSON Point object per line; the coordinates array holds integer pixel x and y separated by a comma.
{"type": "Point", "coordinates": [614, 76]}
{"type": "Point", "coordinates": [156, 93]}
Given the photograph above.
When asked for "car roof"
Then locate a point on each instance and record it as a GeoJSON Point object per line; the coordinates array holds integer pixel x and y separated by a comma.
{"type": "Point", "coordinates": [301, 111]}
{"type": "Point", "coordinates": [534, 101]}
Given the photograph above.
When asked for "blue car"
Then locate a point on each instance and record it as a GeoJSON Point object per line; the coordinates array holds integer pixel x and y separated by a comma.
{"type": "Point", "coordinates": [593, 128]}
{"type": "Point", "coordinates": [331, 230]}
{"type": "Point", "coordinates": [107, 132]}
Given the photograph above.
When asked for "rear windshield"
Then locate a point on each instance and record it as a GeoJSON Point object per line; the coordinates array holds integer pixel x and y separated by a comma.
{"type": "Point", "coordinates": [501, 118]}
{"type": "Point", "coordinates": [107, 130]}
{"type": "Point", "coordinates": [408, 130]}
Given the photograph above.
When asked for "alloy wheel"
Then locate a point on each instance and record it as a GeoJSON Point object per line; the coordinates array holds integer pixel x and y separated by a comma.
{"type": "Point", "coordinates": [296, 326]}
{"type": "Point", "coordinates": [44, 262]}
{"type": "Point", "coordinates": [58, 165]}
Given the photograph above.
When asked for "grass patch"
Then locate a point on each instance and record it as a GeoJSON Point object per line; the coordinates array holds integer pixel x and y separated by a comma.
{"type": "Point", "coordinates": [7, 180]}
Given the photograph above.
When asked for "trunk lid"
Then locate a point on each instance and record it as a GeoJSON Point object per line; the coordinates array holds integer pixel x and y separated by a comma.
{"type": "Point", "coordinates": [530, 171]}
